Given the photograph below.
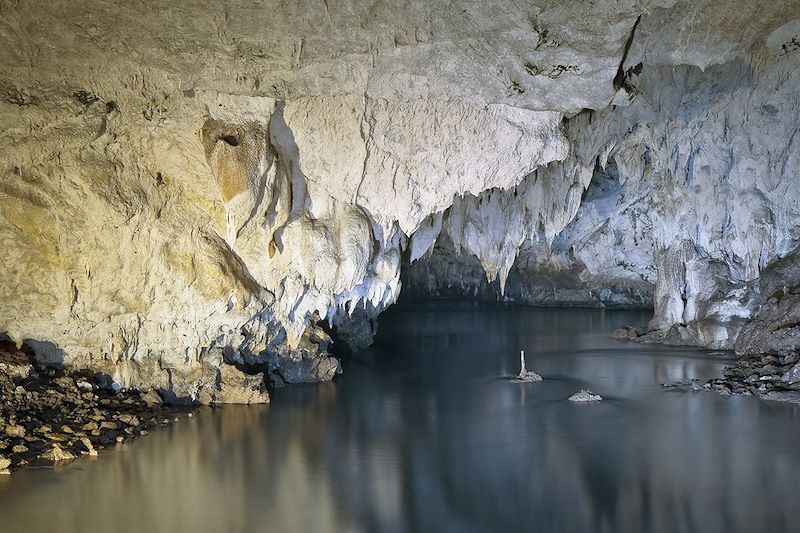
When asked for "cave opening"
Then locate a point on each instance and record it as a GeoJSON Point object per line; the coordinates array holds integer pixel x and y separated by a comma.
{"type": "Point", "coordinates": [428, 266]}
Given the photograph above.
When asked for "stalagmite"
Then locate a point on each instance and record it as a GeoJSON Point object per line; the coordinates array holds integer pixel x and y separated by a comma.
{"type": "Point", "coordinates": [525, 375]}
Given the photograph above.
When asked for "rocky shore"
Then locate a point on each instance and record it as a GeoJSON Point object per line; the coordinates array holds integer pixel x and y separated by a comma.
{"type": "Point", "coordinates": [770, 377]}
{"type": "Point", "coordinates": [49, 414]}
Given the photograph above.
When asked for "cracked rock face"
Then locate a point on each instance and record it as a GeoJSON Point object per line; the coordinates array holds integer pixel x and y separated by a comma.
{"type": "Point", "coordinates": [188, 190]}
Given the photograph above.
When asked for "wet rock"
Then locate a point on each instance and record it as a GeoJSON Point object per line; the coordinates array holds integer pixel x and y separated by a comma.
{"type": "Point", "coordinates": [528, 376]}
{"type": "Point", "coordinates": [628, 332]}
{"type": "Point", "coordinates": [783, 396]}
{"type": "Point", "coordinates": [128, 419]}
{"type": "Point", "coordinates": [585, 395]}
{"type": "Point", "coordinates": [792, 375]}
{"type": "Point", "coordinates": [88, 447]}
{"type": "Point", "coordinates": [240, 388]}
{"type": "Point", "coordinates": [57, 454]}
{"type": "Point", "coordinates": [31, 407]}
{"type": "Point", "coordinates": [525, 375]}
{"type": "Point", "coordinates": [769, 368]}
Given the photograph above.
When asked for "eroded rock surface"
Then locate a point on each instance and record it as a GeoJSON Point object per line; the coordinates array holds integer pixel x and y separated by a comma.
{"type": "Point", "coordinates": [190, 190]}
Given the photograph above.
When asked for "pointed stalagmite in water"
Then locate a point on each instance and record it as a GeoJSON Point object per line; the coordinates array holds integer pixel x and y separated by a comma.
{"type": "Point", "coordinates": [525, 375]}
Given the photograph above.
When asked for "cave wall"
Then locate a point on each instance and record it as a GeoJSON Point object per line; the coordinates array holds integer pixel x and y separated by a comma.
{"type": "Point", "coordinates": [693, 194]}
{"type": "Point", "coordinates": [188, 190]}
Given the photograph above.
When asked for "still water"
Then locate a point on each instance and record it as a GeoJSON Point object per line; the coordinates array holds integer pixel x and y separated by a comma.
{"type": "Point", "coordinates": [424, 432]}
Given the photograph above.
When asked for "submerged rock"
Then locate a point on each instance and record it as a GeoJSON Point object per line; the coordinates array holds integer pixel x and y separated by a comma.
{"type": "Point", "coordinates": [585, 396]}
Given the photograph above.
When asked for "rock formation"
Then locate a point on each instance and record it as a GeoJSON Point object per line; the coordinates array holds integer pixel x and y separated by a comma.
{"type": "Point", "coordinates": [583, 396]}
{"type": "Point", "coordinates": [190, 191]}
{"type": "Point", "coordinates": [525, 375]}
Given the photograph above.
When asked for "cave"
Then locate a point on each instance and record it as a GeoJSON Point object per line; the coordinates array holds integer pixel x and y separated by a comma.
{"type": "Point", "coordinates": [518, 265]}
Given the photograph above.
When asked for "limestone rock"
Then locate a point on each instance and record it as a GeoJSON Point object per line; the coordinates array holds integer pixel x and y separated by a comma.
{"type": "Point", "coordinates": [585, 396]}
{"type": "Point", "coordinates": [57, 454]}
{"type": "Point", "coordinates": [15, 430]}
{"type": "Point", "coordinates": [151, 398]}
{"type": "Point", "coordinates": [164, 215]}
{"type": "Point", "coordinates": [356, 328]}
{"type": "Point", "coordinates": [525, 375]}
{"type": "Point", "coordinates": [697, 212]}
{"type": "Point", "coordinates": [19, 371]}
{"type": "Point", "coordinates": [241, 388]}
{"type": "Point", "coordinates": [89, 447]}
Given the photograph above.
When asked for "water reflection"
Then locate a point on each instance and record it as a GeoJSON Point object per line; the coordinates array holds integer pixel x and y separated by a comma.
{"type": "Point", "coordinates": [425, 433]}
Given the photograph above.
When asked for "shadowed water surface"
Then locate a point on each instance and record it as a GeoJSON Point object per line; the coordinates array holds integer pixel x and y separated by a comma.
{"type": "Point", "coordinates": [424, 432]}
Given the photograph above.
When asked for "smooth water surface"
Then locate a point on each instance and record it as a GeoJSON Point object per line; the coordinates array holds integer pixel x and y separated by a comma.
{"type": "Point", "coordinates": [425, 432]}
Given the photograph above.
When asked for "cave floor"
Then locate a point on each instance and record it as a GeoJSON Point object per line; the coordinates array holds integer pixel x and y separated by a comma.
{"type": "Point", "coordinates": [425, 432]}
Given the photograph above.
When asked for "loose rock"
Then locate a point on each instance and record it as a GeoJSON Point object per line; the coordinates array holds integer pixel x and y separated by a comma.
{"type": "Point", "coordinates": [57, 454]}
{"type": "Point", "coordinates": [53, 415]}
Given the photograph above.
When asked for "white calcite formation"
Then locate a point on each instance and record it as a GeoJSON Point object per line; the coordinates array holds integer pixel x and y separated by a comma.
{"type": "Point", "coordinates": [584, 395]}
{"type": "Point", "coordinates": [190, 190]}
{"type": "Point", "coordinates": [693, 193]}
{"type": "Point", "coordinates": [525, 375]}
